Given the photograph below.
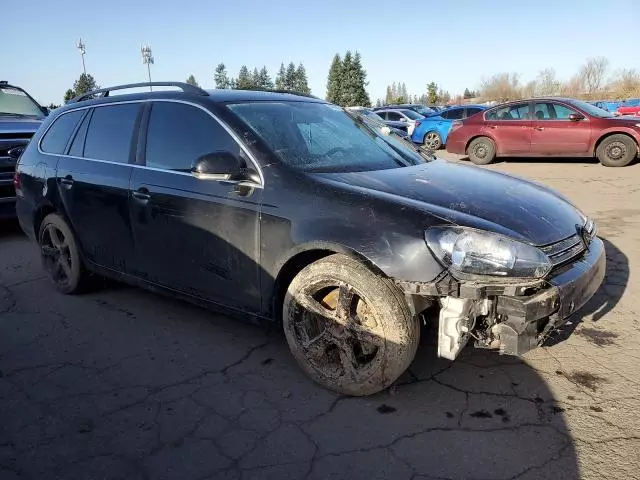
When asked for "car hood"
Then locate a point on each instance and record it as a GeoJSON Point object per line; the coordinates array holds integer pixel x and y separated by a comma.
{"type": "Point", "coordinates": [473, 197]}
{"type": "Point", "coordinates": [19, 124]}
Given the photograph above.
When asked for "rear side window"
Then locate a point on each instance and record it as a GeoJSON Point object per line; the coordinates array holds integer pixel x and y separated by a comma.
{"type": "Point", "coordinates": [518, 111]}
{"type": "Point", "coordinates": [394, 116]}
{"type": "Point", "coordinates": [179, 134]}
{"type": "Point", "coordinates": [473, 111]}
{"type": "Point", "coordinates": [110, 132]}
{"type": "Point", "coordinates": [453, 114]}
{"type": "Point", "coordinates": [57, 137]}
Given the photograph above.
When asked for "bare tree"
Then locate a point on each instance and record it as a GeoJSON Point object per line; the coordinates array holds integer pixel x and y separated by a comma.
{"type": "Point", "coordinates": [501, 87]}
{"type": "Point", "coordinates": [593, 72]}
{"type": "Point", "coordinates": [573, 87]}
{"type": "Point", "coordinates": [546, 83]}
{"type": "Point", "coordinates": [626, 84]}
{"type": "Point", "coordinates": [530, 89]}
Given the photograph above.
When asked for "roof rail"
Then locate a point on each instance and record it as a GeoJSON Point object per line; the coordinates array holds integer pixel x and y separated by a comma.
{"type": "Point", "coordinates": [275, 90]}
{"type": "Point", "coordinates": [186, 88]}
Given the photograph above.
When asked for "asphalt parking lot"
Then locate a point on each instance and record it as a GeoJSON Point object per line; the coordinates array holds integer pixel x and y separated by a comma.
{"type": "Point", "coordinates": [121, 383]}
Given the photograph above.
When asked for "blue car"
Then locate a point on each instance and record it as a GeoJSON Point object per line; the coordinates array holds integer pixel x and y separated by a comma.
{"type": "Point", "coordinates": [432, 131]}
{"type": "Point", "coordinates": [609, 106]}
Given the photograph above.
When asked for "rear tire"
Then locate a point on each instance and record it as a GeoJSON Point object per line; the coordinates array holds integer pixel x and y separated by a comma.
{"type": "Point", "coordinates": [432, 141]}
{"type": "Point", "coordinates": [349, 329]}
{"type": "Point", "coordinates": [481, 151]}
{"type": "Point", "coordinates": [60, 255]}
{"type": "Point", "coordinates": [617, 151]}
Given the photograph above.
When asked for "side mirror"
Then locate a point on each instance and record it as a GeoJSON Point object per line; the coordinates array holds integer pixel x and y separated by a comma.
{"type": "Point", "coordinates": [575, 117]}
{"type": "Point", "coordinates": [217, 166]}
{"type": "Point", "coordinates": [45, 111]}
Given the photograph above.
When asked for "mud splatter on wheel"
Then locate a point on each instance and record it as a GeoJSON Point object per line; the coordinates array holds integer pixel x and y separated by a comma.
{"type": "Point", "coordinates": [349, 329]}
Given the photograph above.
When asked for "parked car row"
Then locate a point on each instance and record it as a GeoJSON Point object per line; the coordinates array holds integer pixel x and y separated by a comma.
{"type": "Point", "coordinates": [627, 107]}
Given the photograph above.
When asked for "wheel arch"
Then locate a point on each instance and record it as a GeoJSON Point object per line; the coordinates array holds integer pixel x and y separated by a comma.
{"type": "Point", "coordinates": [606, 135]}
{"type": "Point", "coordinates": [40, 213]}
{"type": "Point", "coordinates": [302, 256]}
{"type": "Point", "coordinates": [479, 135]}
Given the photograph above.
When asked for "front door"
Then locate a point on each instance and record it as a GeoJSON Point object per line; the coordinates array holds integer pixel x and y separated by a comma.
{"type": "Point", "coordinates": [510, 127]}
{"type": "Point", "coordinates": [554, 134]}
{"type": "Point", "coordinates": [194, 235]}
{"type": "Point", "coordinates": [93, 180]}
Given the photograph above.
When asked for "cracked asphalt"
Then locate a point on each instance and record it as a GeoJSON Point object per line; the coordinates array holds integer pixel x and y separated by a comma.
{"type": "Point", "coordinates": [122, 383]}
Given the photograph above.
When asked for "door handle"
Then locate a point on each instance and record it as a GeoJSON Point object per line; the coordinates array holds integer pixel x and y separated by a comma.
{"type": "Point", "coordinates": [493, 127]}
{"type": "Point", "coordinates": [539, 128]}
{"type": "Point", "coordinates": [142, 195]}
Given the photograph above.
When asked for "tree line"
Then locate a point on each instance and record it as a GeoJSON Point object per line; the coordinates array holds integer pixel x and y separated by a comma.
{"type": "Point", "coordinates": [291, 78]}
{"type": "Point", "coordinates": [591, 82]}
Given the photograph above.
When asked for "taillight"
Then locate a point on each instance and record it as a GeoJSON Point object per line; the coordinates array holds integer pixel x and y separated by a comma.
{"type": "Point", "coordinates": [17, 181]}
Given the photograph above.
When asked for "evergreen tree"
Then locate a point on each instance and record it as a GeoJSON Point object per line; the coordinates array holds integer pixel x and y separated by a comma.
{"type": "Point", "coordinates": [255, 79]}
{"type": "Point", "coordinates": [467, 94]}
{"type": "Point", "coordinates": [290, 77]}
{"type": "Point", "coordinates": [403, 93]}
{"type": "Point", "coordinates": [221, 78]}
{"type": "Point", "coordinates": [244, 81]}
{"type": "Point", "coordinates": [360, 97]}
{"type": "Point", "coordinates": [68, 95]}
{"type": "Point", "coordinates": [192, 81]}
{"type": "Point", "coordinates": [300, 83]}
{"type": "Point", "coordinates": [281, 78]}
{"type": "Point", "coordinates": [335, 80]}
{"type": "Point", "coordinates": [379, 102]}
{"type": "Point", "coordinates": [388, 99]}
{"type": "Point", "coordinates": [264, 80]}
{"type": "Point", "coordinates": [432, 93]}
{"type": "Point", "coordinates": [346, 93]}
{"type": "Point", "coordinates": [84, 84]}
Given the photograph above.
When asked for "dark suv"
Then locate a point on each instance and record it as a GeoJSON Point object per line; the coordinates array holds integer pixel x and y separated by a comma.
{"type": "Point", "coordinates": [285, 207]}
{"type": "Point", "coordinates": [20, 117]}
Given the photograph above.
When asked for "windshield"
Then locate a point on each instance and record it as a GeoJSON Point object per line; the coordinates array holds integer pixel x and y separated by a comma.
{"type": "Point", "coordinates": [412, 115]}
{"type": "Point", "coordinates": [590, 109]}
{"type": "Point", "coordinates": [318, 137]}
{"type": "Point", "coordinates": [16, 102]}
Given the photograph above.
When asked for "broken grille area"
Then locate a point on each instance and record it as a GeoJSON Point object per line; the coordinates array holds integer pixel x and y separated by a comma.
{"type": "Point", "coordinates": [565, 250]}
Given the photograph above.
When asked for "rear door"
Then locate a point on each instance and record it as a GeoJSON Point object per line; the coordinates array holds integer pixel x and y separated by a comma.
{"type": "Point", "coordinates": [93, 181]}
{"type": "Point", "coordinates": [510, 126]}
{"type": "Point", "coordinates": [197, 236]}
{"type": "Point", "coordinates": [554, 134]}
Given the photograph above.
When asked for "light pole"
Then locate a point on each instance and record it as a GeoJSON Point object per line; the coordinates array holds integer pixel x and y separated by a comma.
{"type": "Point", "coordinates": [80, 46]}
{"type": "Point", "coordinates": [147, 59]}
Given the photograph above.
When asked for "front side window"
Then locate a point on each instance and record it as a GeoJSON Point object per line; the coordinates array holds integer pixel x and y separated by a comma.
{"type": "Point", "coordinates": [552, 111]}
{"type": "Point", "coordinates": [110, 132]}
{"type": "Point", "coordinates": [179, 134]}
{"type": "Point", "coordinates": [57, 137]}
{"type": "Point", "coordinates": [518, 111]}
{"type": "Point", "coordinates": [318, 137]}
{"type": "Point", "coordinates": [561, 112]}
{"type": "Point", "coordinates": [14, 101]}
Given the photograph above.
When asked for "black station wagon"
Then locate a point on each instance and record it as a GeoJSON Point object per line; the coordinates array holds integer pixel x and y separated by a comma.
{"type": "Point", "coordinates": [285, 207]}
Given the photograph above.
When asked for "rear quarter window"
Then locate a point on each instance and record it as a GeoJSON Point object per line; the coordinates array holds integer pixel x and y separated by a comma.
{"type": "Point", "coordinates": [56, 139]}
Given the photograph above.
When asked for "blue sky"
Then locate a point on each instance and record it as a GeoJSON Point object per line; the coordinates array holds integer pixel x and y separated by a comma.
{"type": "Point", "coordinates": [454, 43]}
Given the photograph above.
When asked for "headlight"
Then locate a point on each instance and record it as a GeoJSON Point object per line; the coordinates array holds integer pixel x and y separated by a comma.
{"type": "Point", "coordinates": [474, 252]}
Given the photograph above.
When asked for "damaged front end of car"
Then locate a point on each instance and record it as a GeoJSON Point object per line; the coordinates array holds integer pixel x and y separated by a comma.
{"type": "Point", "coordinates": [505, 294]}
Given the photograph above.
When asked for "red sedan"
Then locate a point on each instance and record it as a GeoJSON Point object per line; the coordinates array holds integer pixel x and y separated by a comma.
{"type": "Point", "coordinates": [545, 127]}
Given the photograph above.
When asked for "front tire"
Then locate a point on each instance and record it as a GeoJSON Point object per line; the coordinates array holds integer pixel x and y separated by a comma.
{"type": "Point", "coordinates": [616, 151]}
{"type": "Point", "coordinates": [432, 141]}
{"type": "Point", "coordinates": [60, 255]}
{"type": "Point", "coordinates": [481, 151]}
{"type": "Point", "coordinates": [349, 329]}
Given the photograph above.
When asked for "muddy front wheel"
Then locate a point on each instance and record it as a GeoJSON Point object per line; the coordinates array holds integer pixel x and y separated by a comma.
{"type": "Point", "coordinates": [350, 330]}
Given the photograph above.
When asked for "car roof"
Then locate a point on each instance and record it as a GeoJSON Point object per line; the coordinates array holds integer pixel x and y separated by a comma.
{"type": "Point", "coordinates": [210, 96]}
